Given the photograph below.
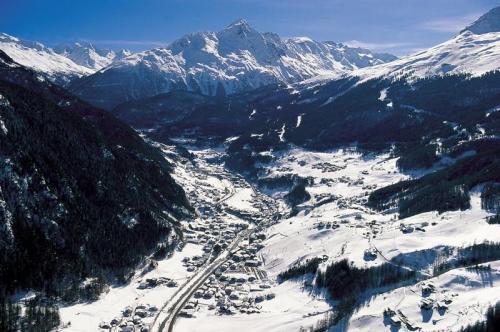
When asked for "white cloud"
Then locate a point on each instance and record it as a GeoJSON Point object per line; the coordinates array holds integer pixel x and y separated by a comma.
{"type": "Point", "coordinates": [451, 24]}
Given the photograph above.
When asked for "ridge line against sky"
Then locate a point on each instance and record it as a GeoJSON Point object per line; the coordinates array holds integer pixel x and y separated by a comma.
{"type": "Point", "coordinates": [394, 26]}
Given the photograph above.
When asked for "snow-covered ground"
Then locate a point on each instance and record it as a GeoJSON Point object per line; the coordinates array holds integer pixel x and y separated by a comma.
{"type": "Point", "coordinates": [242, 200]}
{"type": "Point", "coordinates": [467, 52]}
{"type": "Point", "coordinates": [43, 59]}
{"type": "Point", "coordinates": [344, 228]}
{"type": "Point", "coordinates": [219, 198]}
{"type": "Point", "coordinates": [86, 317]}
{"type": "Point", "coordinates": [462, 297]}
{"type": "Point", "coordinates": [333, 224]}
{"type": "Point", "coordinates": [291, 308]}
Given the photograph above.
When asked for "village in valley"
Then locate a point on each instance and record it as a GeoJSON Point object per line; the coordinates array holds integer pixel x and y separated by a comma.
{"type": "Point", "coordinates": [230, 264]}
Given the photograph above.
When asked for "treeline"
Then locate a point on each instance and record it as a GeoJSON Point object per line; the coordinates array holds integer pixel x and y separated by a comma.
{"type": "Point", "coordinates": [446, 189]}
{"type": "Point", "coordinates": [491, 324]}
{"type": "Point", "coordinates": [490, 197]}
{"type": "Point", "coordinates": [105, 256]}
{"type": "Point", "coordinates": [298, 194]}
{"type": "Point", "coordinates": [494, 220]}
{"type": "Point", "coordinates": [417, 157]}
{"type": "Point", "coordinates": [37, 316]}
{"type": "Point", "coordinates": [342, 279]}
{"type": "Point", "coordinates": [310, 266]}
{"type": "Point", "coordinates": [475, 254]}
{"type": "Point", "coordinates": [283, 181]}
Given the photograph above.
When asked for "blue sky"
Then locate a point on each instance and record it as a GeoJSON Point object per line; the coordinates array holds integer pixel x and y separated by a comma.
{"type": "Point", "coordinates": [397, 26]}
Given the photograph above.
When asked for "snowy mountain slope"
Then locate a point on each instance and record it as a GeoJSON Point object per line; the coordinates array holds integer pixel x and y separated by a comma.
{"type": "Point", "coordinates": [465, 53]}
{"type": "Point", "coordinates": [476, 50]}
{"type": "Point", "coordinates": [62, 63]}
{"type": "Point", "coordinates": [85, 54]}
{"type": "Point", "coordinates": [56, 67]}
{"type": "Point", "coordinates": [489, 22]}
{"type": "Point", "coordinates": [235, 59]}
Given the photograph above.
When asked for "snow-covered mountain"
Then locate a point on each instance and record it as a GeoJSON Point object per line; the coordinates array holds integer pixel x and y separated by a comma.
{"type": "Point", "coordinates": [85, 54]}
{"type": "Point", "coordinates": [62, 63]}
{"type": "Point", "coordinates": [475, 51]}
{"type": "Point", "coordinates": [34, 55]}
{"type": "Point", "coordinates": [489, 22]}
{"type": "Point", "coordinates": [235, 59]}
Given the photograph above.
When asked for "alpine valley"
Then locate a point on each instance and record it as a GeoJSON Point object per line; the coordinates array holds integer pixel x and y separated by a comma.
{"type": "Point", "coordinates": [239, 179]}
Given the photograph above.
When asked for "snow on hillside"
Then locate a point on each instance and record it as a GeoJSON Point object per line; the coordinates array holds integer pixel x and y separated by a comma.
{"type": "Point", "coordinates": [475, 50]}
{"type": "Point", "coordinates": [466, 53]}
{"type": "Point", "coordinates": [348, 177]}
{"type": "Point", "coordinates": [489, 22]}
{"type": "Point", "coordinates": [43, 59]}
{"type": "Point", "coordinates": [335, 224]}
{"type": "Point", "coordinates": [462, 297]}
{"type": "Point", "coordinates": [235, 59]}
{"type": "Point", "coordinates": [85, 54]}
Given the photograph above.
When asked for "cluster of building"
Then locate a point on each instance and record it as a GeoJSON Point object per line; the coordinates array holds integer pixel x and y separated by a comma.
{"type": "Point", "coordinates": [237, 286]}
{"type": "Point", "coordinates": [215, 236]}
{"type": "Point", "coordinates": [431, 298]}
{"type": "Point", "coordinates": [327, 167]}
{"type": "Point", "coordinates": [153, 282]}
{"type": "Point", "coordinates": [326, 225]}
{"type": "Point", "coordinates": [132, 319]}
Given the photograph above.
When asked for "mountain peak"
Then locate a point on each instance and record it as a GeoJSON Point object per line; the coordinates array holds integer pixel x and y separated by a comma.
{"type": "Point", "coordinates": [240, 25]}
{"type": "Point", "coordinates": [489, 22]}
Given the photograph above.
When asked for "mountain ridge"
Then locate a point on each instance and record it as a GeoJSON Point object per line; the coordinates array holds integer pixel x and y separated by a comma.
{"type": "Point", "coordinates": [235, 59]}
{"type": "Point", "coordinates": [87, 55]}
{"type": "Point", "coordinates": [489, 22]}
{"type": "Point", "coordinates": [62, 63]}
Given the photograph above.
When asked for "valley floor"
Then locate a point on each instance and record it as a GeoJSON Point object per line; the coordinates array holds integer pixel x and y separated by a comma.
{"type": "Point", "coordinates": [255, 245]}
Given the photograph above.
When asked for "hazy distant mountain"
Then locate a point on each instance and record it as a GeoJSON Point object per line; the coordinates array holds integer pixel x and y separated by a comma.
{"type": "Point", "coordinates": [61, 64]}
{"type": "Point", "coordinates": [54, 66]}
{"type": "Point", "coordinates": [85, 54]}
